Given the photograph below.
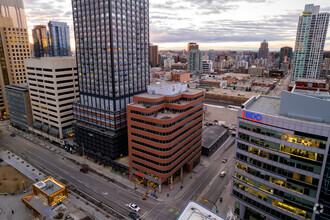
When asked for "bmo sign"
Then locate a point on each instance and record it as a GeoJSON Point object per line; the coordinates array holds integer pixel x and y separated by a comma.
{"type": "Point", "coordinates": [252, 116]}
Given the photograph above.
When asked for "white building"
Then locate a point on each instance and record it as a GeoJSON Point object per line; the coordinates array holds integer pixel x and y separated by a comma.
{"type": "Point", "coordinates": [207, 66]}
{"type": "Point", "coordinates": [310, 40]}
{"type": "Point", "coordinates": [168, 63]}
{"type": "Point", "coordinates": [53, 86]}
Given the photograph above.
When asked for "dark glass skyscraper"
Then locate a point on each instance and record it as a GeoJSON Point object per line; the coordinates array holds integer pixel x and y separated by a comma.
{"type": "Point", "coordinates": [41, 42]}
{"type": "Point", "coordinates": [112, 49]}
{"type": "Point", "coordinates": [59, 38]}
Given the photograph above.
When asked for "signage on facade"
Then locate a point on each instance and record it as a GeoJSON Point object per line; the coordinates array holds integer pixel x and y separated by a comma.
{"type": "Point", "coordinates": [252, 116]}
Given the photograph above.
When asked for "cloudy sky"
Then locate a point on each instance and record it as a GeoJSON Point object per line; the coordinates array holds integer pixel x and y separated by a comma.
{"type": "Point", "coordinates": [217, 24]}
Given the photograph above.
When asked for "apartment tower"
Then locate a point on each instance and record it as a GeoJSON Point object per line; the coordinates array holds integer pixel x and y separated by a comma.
{"type": "Point", "coordinates": [263, 50]}
{"type": "Point", "coordinates": [112, 50]}
{"type": "Point", "coordinates": [310, 40]}
{"type": "Point", "coordinates": [153, 55]}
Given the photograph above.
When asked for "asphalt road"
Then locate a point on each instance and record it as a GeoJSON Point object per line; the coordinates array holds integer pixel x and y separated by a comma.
{"type": "Point", "coordinates": [208, 183]}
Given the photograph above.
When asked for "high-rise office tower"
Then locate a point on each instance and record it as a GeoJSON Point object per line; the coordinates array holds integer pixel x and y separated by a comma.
{"type": "Point", "coordinates": [153, 55]}
{"type": "Point", "coordinates": [285, 55]}
{"type": "Point", "coordinates": [112, 50]}
{"type": "Point", "coordinates": [282, 158]}
{"type": "Point", "coordinates": [195, 59]}
{"type": "Point", "coordinates": [263, 50]}
{"type": "Point", "coordinates": [14, 49]}
{"type": "Point", "coordinates": [192, 46]}
{"type": "Point", "coordinates": [41, 42]}
{"type": "Point", "coordinates": [310, 40]}
{"type": "Point", "coordinates": [59, 34]}
{"type": "Point", "coordinates": [14, 9]}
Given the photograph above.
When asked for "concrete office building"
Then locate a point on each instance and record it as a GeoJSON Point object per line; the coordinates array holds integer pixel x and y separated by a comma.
{"type": "Point", "coordinates": [19, 104]}
{"type": "Point", "coordinates": [165, 132]}
{"type": "Point", "coordinates": [113, 63]}
{"type": "Point", "coordinates": [153, 55]}
{"type": "Point", "coordinates": [41, 41]}
{"type": "Point", "coordinates": [281, 167]}
{"type": "Point", "coordinates": [59, 35]}
{"type": "Point", "coordinates": [310, 40]}
{"type": "Point", "coordinates": [263, 50]}
{"type": "Point", "coordinates": [211, 54]}
{"type": "Point", "coordinates": [207, 66]}
{"type": "Point", "coordinates": [14, 9]}
{"type": "Point", "coordinates": [195, 61]}
{"type": "Point", "coordinates": [53, 86]}
{"type": "Point", "coordinates": [14, 46]}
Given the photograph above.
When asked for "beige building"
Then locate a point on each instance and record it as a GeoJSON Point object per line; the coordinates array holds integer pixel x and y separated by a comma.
{"type": "Point", "coordinates": [14, 49]}
{"type": "Point", "coordinates": [53, 86]}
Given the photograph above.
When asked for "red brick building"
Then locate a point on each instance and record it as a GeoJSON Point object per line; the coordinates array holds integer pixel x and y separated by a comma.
{"type": "Point", "coordinates": [164, 133]}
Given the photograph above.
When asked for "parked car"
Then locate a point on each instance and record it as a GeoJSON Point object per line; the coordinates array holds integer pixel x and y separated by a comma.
{"type": "Point", "coordinates": [13, 135]}
{"type": "Point", "coordinates": [224, 160]}
{"type": "Point", "coordinates": [133, 215]}
{"type": "Point", "coordinates": [223, 174]}
{"type": "Point", "coordinates": [134, 207]}
{"type": "Point", "coordinates": [84, 170]}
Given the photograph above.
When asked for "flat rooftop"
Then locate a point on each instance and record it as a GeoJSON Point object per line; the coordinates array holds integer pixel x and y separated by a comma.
{"type": "Point", "coordinates": [40, 205]}
{"type": "Point", "coordinates": [49, 186]}
{"type": "Point", "coordinates": [266, 105]}
{"type": "Point", "coordinates": [211, 134]}
{"type": "Point", "coordinates": [195, 211]}
{"type": "Point", "coordinates": [233, 93]}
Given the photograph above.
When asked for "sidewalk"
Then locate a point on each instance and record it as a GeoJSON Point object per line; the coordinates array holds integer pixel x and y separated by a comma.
{"type": "Point", "coordinates": [35, 175]}
{"type": "Point", "coordinates": [122, 181]}
{"type": "Point", "coordinates": [227, 206]}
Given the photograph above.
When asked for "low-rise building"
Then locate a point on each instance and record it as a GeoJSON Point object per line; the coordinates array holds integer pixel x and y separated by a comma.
{"type": "Point", "coordinates": [229, 96]}
{"type": "Point", "coordinates": [46, 194]}
{"type": "Point", "coordinates": [19, 104]}
{"type": "Point", "coordinates": [53, 87]}
{"type": "Point", "coordinates": [195, 211]}
{"type": "Point", "coordinates": [207, 66]}
{"type": "Point", "coordinates": [213, 83]}
{"type": "Point", "coordinates": [180, 76]}
{"type": "Point", "coordinates": [256, 71]}
{"type": "Point", "coordinates": [164, 132]}
{"type": "Point", "coordinates": [213, 137]}
{"type": "Point", "coordinates": [311, 85]}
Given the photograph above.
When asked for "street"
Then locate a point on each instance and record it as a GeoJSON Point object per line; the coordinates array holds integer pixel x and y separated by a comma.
{"type": "Point", "coordinates": [111, 194]}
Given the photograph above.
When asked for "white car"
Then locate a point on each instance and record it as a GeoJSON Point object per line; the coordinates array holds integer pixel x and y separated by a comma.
{"type": "Point", "coordinates": [222, 174]}
{"type": "Point", "coordinates": [134, 207]}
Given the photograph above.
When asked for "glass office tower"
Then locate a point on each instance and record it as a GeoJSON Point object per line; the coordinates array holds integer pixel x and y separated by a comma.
{"type": "Point", "coordinates": [41, 41]}
{"type": "Point", "coordinates": [310, 40]}
{"type": "Point", "coordinates": [59, 38]}
{"type": "Point", "coordinates": [112, 50]}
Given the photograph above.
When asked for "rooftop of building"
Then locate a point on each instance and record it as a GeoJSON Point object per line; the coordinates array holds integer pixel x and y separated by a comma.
{"type": "Point", "coordinates": [310, 108]}
{"type": "Point", "coordinates": [233, 93]}
{"type": "Point", "coordinates": [211, 134]}
{"type": "Point", "coordinates": [311, 80]}
{"type": "Point", "coordinates": [49, 186]}
{"type": "Point", "coordinates": [53, 58]}
{"type": "Point", "coordinates": [263, 80]}
{"type": "Point", "coordinates": [195, 211]}
{"type": "Point", "coordinates": [40, 205]}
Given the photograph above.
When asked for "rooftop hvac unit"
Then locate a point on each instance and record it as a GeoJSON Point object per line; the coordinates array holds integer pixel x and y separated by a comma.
{"type": "Point", "coordinates": [40, 185]}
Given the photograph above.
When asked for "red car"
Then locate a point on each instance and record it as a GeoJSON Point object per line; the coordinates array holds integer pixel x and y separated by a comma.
{"type": "Point", "coordinates": [83, 170]}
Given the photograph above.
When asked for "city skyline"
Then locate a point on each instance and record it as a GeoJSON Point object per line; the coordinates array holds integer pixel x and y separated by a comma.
{"type": "Point", "coordinates": [229, 27]}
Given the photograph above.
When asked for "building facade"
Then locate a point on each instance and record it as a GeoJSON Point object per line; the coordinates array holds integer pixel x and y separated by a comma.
{"type": "Point", "coordinates": [207, 66]}
{"type": "Point", "coordinates": [112, 51]}
{"type": "Point", "coordinates": [59, 35]}
{"type": "Point", "coordinates": [14, 9]}
{"type": "Point", "coordinates": [195, 61]}
{"type": "Point", "coordinates": [211, 54]}
{"type": "Point", "coordinates": [14, 49]}
{"type": "Point", "coordinates": [19, 105]}
{"type": "Point", "coordinates": [192, 46]}
{"type": "Point", "coordinates": [285, 55]}
{"type": "Point", "coordinates": [153, 55]}
{"type": "Point", "coordinates": [310, 40]}
{"type": "Point", "coordinates": [165, 132]}
{"type": "Point", "coordinates": [263, 50]}
{"type": "Point", "coordinates": [41, 41]}
{"type": "Point", "coordinates": [53, 86]}
{"type": "Point", "coordinates": [280, 165]}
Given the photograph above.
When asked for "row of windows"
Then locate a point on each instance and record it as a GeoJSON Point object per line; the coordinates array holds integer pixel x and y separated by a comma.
{"type": "Point", "coordinates": [167, 133]}
{"type": "Point", "coordinates": [299, 164]}
{"type": "Point", "coordinates": [194, 141]}
{"type": "Point", "coordinates": [298, 201]}
{"type": "Point", "coordinates": [167, 171]}
{"type": "Point", "coordinates": [165, 149]}
{"type": "Point", "coordinates": [166, 125]}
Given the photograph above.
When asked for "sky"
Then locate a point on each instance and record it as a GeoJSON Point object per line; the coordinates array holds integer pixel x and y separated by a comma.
{"type": "Point", "coordinates": [214, 24]}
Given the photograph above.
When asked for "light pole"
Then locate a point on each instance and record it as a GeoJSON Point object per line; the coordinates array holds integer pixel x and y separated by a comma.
{"type": "Point", "coordinates": [206, 200]}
